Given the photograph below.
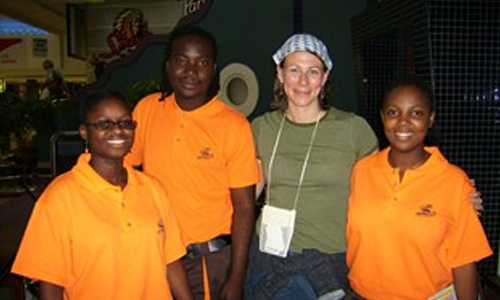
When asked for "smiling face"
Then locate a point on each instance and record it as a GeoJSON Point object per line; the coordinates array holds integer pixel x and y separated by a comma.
{"type": "Point", "coordinates": [407, 115]}
{"type": "Point", "coordinates": [191, 70]}
{"type": "Point", "coordinates": [110, 144]}
{"type": "Point", "coordinates": [303, 76]}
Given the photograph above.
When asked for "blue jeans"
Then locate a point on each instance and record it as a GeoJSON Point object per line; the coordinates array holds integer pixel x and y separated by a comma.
{"type": "Point", "coordinates": [300, 276]}
{"type": "Point", "coordinates": [297, 287]}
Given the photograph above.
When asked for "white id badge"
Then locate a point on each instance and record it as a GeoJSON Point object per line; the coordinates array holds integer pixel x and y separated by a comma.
{"type": "Point", "coordinates": [276, 230]}
{"type": "Point", "coordinates": [448, 293]}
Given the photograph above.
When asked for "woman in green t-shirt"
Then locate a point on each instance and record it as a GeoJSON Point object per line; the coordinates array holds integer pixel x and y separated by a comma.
{"type": "Point", "coordinates": [307, 150]}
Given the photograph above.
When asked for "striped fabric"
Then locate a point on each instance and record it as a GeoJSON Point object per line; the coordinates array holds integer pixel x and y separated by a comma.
{"type": "Point", "coordinates": [304, 42]}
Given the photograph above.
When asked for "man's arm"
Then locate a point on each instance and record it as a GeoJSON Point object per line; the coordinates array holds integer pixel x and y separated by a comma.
{"type": "Point", "coordinates": [465, 281]}
{"type": "Point", "coordinates": [49, 291]}
{"type": "Point", "coordinates": [241, 234]}
{"type": "Point", "coordinates": [178, 281]}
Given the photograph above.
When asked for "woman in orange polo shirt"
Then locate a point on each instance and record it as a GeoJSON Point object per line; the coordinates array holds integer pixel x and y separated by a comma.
{"type": "Point", "coordinates": [412, 233]}
{"type": "Point", "coordinates": [103, 230]}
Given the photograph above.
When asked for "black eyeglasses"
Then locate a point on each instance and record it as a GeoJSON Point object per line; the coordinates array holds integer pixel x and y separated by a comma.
{"type": "Point", "coordinates": [108, 124]}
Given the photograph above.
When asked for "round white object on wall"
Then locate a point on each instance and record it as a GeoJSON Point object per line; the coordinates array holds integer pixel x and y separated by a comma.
{"type": "Point", "coordinates": [239, 88]}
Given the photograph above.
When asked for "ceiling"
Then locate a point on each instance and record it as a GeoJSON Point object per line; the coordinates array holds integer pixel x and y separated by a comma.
{"type": "Point", "coordinates": [10, 27]}
{"type": "Point", "coordinates": [56, 6]}
{"type": "Point", "coordinates": [49, 15]}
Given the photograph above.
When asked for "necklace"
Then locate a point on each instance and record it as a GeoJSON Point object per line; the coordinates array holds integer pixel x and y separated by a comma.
{"type": "Point", "coordinates": [304, 165]}
{"type": "Point", "coordinates": [290, 117]}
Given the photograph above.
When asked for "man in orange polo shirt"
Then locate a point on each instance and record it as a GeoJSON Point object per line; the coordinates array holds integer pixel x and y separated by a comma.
{"type": "Point", "coordinates": [202, 151]}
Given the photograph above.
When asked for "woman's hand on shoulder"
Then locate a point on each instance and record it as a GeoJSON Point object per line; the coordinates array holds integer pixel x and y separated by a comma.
{"type": "Point", "coordinates": [476, 200]}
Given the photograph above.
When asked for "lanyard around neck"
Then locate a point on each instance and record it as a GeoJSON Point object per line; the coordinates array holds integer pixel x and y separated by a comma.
{"type": "Point", "coordinates": [304, 165]}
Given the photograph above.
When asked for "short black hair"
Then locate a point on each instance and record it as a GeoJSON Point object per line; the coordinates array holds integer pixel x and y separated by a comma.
{"type": "Point", "coordinates": [90, 100]}
{"type": "Point", "coordinates": [181, 32]}
{"type": "Point", "coordinates": [410, 80]}
{"type": "Point", "coordinates": [184, 31]}
{"type": "Point", "coordinates": [433, 136]}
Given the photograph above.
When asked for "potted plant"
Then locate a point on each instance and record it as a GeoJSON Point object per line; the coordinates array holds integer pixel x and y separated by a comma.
{"type": "Point", "coordinates": [20, 121]}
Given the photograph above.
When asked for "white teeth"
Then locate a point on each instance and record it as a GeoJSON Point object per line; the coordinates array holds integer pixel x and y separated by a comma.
{"type": "Point", "coordinates": [403, 134]}
{"type": "Point", "coordinates": [116, 142]}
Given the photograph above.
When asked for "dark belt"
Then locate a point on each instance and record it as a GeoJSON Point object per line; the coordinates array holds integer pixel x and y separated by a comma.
{"type": "Point", "coordinates": [214, 245]}
{"type": "Point", "coordinates": [352, 295]}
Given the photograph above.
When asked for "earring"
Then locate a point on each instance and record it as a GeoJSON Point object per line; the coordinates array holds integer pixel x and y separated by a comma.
{"type": "Point", "coordinates": [86, 147]}
{"type": "Point", "coordinates": [322, 94]}
{"type": "Point", "coordinates": [281, 90]}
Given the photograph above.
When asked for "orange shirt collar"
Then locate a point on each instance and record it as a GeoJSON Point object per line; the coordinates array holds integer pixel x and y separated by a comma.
{"type": "Point", "coordinates": [210, 108]}
{"type": "Point", "coordinates": [94, 181]}
{"type": "Point", "coordinates": [435, 160]}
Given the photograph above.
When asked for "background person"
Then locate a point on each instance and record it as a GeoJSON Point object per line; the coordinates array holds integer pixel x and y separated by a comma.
{"type": "Point", "coordinates": [411, 228]}
{"type": "Point", "coordinates": [55, 86]}
{"type": "Point", "coordinates": [104, 230]}
{"type": "Point", "coordinates": [307, 150]}
{"type": "Point", "coordinates": [202, 151]}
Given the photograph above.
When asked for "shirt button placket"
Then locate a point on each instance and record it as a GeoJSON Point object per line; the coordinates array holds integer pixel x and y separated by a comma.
{"type": "Point", "coordinates": [181, 127]}
{"type": "Point", "coordinates": [123, 213]}
{"type": "Point", "coordinates": [395, 186]}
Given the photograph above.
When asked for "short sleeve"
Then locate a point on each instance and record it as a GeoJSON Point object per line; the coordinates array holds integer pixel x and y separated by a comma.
{"type": "Point", "coordinates": [44, 253]}
{"type": "Point", "coordinates": [242, 161]}
{"type": "Point", "coordinates": [364, 139]}
{"type": "Point", "coordinates": [466, 240]}
{"type": "Point", "coordinates": [255, 131]}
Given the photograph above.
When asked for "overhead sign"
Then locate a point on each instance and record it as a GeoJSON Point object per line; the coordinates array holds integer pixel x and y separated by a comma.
{"type": "Point", "coordinates": [12, 53]}
{"type": "Point", "coordinates": [194, 11]}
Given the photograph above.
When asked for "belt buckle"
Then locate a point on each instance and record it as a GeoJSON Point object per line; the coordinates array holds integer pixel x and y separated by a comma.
{"type": "Point", "coordinates": [216, 244]}
{"type": "Point", "coordinates": [211, 246]}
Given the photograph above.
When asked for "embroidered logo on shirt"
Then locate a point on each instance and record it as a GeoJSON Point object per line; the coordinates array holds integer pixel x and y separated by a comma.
{"type": "Point", "coordinates": [426, 210]}
{"type": "Point", "coordinates": [206, 153]}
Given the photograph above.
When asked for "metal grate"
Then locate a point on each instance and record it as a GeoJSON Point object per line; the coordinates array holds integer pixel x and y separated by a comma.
{"type": "Point", "coordinates": [455, 46]}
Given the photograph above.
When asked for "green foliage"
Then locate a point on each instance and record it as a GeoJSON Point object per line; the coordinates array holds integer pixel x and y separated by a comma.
{"type": "Point", "coordinates": [24, 117]}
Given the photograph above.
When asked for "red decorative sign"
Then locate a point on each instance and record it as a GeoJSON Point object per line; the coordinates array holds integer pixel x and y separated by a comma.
{"type": "Point", "coordinates": [6, 43]}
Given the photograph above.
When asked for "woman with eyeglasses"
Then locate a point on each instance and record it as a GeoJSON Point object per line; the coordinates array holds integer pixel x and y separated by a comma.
{"type": "Point", "coordinates": [104, 230]}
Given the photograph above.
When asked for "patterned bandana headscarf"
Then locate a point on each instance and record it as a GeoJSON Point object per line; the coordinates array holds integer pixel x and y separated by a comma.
{"type": "Point", "coordinates": [304, 42]}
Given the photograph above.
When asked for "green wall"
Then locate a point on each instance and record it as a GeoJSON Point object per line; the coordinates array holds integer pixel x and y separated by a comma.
{"type": "Point", "coordinates": [250, 31]}
{"type": "Point", "coordinates": [330, 20]}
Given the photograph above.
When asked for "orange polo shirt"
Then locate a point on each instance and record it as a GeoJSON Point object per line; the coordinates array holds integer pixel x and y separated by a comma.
{"type": "Point", "coordinates": [404, 238]}
{"type": "Point", "coordinates": [198, 156]}
{"type": "Point", "coordinates": [98, 241]}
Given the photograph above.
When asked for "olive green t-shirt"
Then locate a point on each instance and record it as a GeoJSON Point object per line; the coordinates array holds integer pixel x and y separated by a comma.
{"type": "Point", "coordinates": [342, 138]}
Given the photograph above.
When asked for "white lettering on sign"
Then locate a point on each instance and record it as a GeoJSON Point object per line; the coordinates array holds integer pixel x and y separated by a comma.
{"type": "Point", "coordinates": [193, 6]}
